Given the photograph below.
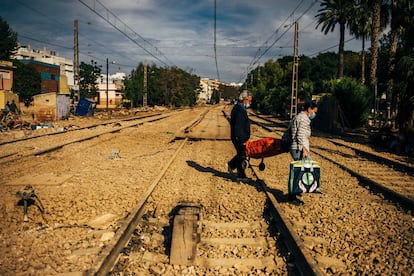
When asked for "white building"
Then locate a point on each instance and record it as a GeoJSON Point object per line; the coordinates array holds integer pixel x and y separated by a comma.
{"type": "Point", "coordinates": [207, 88]}
{"type": "Point", "coordinates": [47, 56]}
{"type": "Point", "coordinates": [113, 96]}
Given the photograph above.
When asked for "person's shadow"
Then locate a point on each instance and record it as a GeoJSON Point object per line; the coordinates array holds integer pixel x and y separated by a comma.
{"type": "Point", "coordinates": [252, 182]}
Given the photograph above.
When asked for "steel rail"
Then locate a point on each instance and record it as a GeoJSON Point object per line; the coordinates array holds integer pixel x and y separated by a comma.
{"type": "Point", "coordinates": [394, 163]}
{"type": "Point", "coordinates": [305, 264]}
{"type": "Point", "coordinates": [110, 254]}
{"type": "Point", "coordinates": [387, 192]}
{"type": "Point", "coordinates": [80, 128]}
{"type": "Point", "coordinates": [392, 195]}
{"type": "Point", "coordinates": [57, 147]}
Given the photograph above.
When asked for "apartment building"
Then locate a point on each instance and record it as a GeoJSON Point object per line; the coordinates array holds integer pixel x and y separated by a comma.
{"type": "Point", "coordinates": [46, 56]}
{"type": "Point", "coordinates": [110, 94]}
{"type": "Point", "coordinates": [207, 88]}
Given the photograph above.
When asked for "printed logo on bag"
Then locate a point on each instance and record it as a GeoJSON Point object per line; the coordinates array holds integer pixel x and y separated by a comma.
{"type": "Point", "coordinates": [308, 180]}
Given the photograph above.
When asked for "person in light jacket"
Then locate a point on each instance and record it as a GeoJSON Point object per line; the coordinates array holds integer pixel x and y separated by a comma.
{"type": "Point", "coordinates": [301, 131]}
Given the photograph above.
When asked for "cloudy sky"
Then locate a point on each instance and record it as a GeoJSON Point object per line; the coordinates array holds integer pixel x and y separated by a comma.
{"type": "Point", "coordinates": [181, 33]}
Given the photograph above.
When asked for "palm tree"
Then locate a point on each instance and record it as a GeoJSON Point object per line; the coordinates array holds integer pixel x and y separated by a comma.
{"type": "Point", "coordinates": [400, 19]}
{"type": "Point", "coordinates": [375, 30]}
{"type": "Point", "coordinates": [360, 26]}
{"type": "Point", "coordinates": [334, 12]}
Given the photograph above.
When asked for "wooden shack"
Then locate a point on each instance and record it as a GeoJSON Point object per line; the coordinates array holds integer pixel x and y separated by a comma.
{"type": "Point", "coordinates": [50, 107]}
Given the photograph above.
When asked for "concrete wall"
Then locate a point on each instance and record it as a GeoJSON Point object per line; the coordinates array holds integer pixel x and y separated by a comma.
{"type": "Point", "coordinates": [50, 107]}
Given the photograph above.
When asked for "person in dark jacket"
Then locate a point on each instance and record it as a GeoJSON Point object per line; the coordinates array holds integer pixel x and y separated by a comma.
{"type": "Point", "coordinates": [239, 133]}
{"type": "Point", "coordinates": [13, 107]}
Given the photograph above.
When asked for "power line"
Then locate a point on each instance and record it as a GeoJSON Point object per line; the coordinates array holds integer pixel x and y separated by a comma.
{"type": "Point", "coordinates": [44, 42]}
{"type": "Point", "coordinates": [69, 48]}
{"type": "Point", "coordinates": [126, 27]}
{"type": "Point", "coordinates": [63, 25]}
{"type": "Point", "coordinates": [257, 57]}
{"type": "Point", "coordinates": [336, 45]}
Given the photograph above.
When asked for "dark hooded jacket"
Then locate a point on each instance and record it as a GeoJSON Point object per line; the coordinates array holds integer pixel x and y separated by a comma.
{"type": "Point", "coordinates": [239, 124]}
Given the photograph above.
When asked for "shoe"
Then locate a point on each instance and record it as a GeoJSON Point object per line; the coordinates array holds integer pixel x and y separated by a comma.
{"type": "Point", "coordinates": [296, 202]}
{"type": "Point", "coordinates": [229, 170]}
{"type": "Point", "coordinates": [292, 199]}
{"type": "Point", "coordinates": [242, 177]}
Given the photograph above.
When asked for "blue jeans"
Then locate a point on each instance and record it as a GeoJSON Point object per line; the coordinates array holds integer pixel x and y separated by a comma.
{"type": "Point", "coordinates": [296, 154]}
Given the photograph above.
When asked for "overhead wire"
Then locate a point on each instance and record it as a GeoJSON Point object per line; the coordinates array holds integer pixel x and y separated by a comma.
{"type": "Point", "coordinates": [127, 35]}
{"type": "Point", "coordinates": [257, 58]}
{"type": "Point", "coordinates": [259, 55]}
{"type": "Point", "coordinates": [65, 47]}
{"type": "Point", "coordinates": [301, 30]}
{"type": "Point", "coordinates": [262, 50]}
{"type": "Point", "coordinates": [327, 49]}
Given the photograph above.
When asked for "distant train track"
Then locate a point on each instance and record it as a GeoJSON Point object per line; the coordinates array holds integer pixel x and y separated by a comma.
{"type": "Point", "coordinates": [105, 123]}
{"type": "Point", "coordinates": [390, 177]}
{"type": "Point", "coordinates": [190, 236]}
{"type": "Point", "coordinates": [194, 217]}
{"type": "Point", "coordinates": [19, 148]}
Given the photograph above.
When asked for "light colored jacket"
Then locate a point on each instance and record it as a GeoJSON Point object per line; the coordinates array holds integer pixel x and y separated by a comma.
{"type": "Point", "coordinates": [301, 131]}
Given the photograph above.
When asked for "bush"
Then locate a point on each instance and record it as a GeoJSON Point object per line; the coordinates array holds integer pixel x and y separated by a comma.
{"type": "Point", "coordinates": [354, 100]}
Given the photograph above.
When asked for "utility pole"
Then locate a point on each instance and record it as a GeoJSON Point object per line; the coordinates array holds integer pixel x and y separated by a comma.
{"type": "Point", "coordinates": [145, 97]}
{"type": "Point", "coordinates": [107, 82]}
{"type": "Point", "coordinates": [76, 60]}
{"type": "Point", "coordinates": [295, 75]}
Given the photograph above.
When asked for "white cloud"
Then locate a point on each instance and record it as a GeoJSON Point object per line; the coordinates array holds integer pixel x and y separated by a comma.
{"type": "Point", "coordinates": [183, 30]}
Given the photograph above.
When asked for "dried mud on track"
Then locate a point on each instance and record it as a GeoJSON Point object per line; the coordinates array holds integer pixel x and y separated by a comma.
{"type": "Point", "coordinates": [87, 195]}
{"type": "Point", "coordinates": [346, 228]}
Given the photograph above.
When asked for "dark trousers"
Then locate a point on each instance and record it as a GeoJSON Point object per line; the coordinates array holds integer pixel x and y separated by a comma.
{"type": "Point", "coordinates": [236, 161]}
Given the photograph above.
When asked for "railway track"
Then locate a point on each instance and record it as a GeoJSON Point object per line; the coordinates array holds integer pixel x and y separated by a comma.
{"type": "Point", "coordinates": [189, 216]}
{"type": "Point", "coordinates": [388, 176]}
{"type": "Point", "coordinates": [40, 144]}
{"type": "Point", "coordinates": [194, 231]}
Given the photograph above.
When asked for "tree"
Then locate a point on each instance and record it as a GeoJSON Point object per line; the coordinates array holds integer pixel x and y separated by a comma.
{"type": "Point", "coordinates": [360, 26]}
{"type": "Point", "coordinates": [134, 84]}
{"type": "Point", "coordinates": [354, 99]}
{"type": "Point", "coordinates": [26, 80]}
{"type": "Point", "coordinates": [375, 29]}
{"type": "Point", "coordinates": [88, 75]}
{"type": "Point", "coordinates": [166, 86]}
{"type": "Point", "coordinates": [400, 19]}
{"type": "Point", "coordinates": [335, 12]}
{"type": "Point", "coordinates": [215, 97]}
{"type": "Point", "coordinates": [8, 40]}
